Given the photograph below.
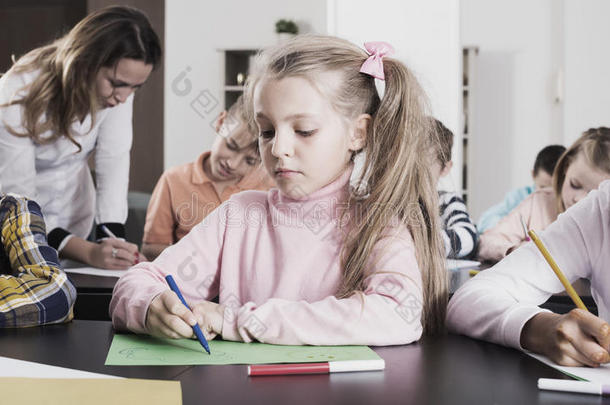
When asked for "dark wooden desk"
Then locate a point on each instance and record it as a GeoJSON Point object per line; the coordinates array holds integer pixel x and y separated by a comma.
{"type": "Point", "coordinates": [81, 345]}
{"type": "Point", "coordinates": [93, 296]}
{"type": "Point", "coordinates": [93, 284]}
{"type": "Point", "coordinates": [444, 370]}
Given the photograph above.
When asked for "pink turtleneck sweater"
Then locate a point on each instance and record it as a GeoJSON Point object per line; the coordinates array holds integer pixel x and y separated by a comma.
{"type": "Point", "coordinates": [275, 264]}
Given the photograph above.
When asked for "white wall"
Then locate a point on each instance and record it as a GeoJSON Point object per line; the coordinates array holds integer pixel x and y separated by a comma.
{"type": "Point", "coordinates": [522, 46]}
{"type": "Point", "coordinates": [515, 112]}
{"type": "Point", "coordinates": [542, 77]}
{"type": "Point", "coordinates": [425, 35]}
{"type": "Point", "coordinates": [194, 31]}
{"type": "Point", "coordinates": [587, 66]}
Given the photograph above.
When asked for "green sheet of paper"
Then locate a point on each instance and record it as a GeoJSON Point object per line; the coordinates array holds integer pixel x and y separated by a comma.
{"type": "Point", "coordinates": [139, 350]}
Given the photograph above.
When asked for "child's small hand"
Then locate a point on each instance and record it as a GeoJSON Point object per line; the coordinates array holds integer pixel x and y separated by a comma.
{"type": "Point", "coordinates": [168, 317]}
{"type": "Point", "coordinates": [574, 339]}
{"type": "Point", "coordinates": [210, 317]}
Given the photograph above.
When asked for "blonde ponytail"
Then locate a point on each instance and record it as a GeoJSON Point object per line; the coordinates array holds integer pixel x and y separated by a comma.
{"type": "Point", "coordinates": [397, 160]}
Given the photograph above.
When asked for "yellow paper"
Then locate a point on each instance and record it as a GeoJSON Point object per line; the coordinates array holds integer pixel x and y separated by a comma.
{"type": "Point", "coordinates": [68, 391]}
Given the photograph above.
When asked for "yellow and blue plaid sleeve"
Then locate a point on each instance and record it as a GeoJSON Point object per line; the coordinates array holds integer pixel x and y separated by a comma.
{"type": "Point", "coordinates": [34, 290]}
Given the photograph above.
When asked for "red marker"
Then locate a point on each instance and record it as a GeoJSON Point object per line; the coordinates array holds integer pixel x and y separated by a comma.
{"type": "Point", "coordinates": [316, 368]}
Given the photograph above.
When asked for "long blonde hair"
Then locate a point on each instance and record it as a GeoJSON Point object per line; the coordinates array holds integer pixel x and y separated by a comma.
{"type": "Point", "coordinates": [396, 167]}
{"type": "Point", "coordinates": [594, 144]}
{"type": "Point", "coordinates": [64, 89]}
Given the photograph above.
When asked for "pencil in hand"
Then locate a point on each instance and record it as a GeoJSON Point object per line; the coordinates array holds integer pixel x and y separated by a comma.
{"type": "Point", "coordinates": [566, 284]}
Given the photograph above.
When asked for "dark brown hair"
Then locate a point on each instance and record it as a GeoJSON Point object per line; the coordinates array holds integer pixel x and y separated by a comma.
{"type": "Point", "coordinates": [442, 141]}
{"type": "Point", "coordinates": [65, 90]}
{"type": "Point", "coordinates": [547, 159]}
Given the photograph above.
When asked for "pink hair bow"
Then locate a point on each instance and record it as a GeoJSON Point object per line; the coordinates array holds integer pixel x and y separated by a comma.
{"type": "Point", "coordinates": [373, 66]}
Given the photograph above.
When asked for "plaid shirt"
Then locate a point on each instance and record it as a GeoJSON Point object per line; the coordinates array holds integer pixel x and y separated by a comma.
{"type": "Point", "coordinates": [34, 290]}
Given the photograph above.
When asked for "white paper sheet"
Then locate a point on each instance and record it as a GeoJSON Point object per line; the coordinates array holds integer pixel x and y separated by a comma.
{"type": "Point", "coordinates": [96, 272]}
{"type": "Point", "coordinates": [71, 266]}
{"type": "Point", "coordinates": [600, 375]}
{"type": "Point", "coordinates": [20, 368]}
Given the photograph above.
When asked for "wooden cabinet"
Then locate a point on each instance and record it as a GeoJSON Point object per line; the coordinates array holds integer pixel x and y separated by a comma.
{"type": "Point", "coordinates": [235, 68]}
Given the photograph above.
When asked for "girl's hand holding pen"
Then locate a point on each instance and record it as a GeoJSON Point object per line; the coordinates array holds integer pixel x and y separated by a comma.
{"type": "Point", "coordinates": [577, 338]}
{"type": "Point", "coordinates": [168, 317]}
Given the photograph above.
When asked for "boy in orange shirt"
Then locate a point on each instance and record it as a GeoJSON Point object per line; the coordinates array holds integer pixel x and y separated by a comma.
{"type": "Point", "coordinates": [185, 195]}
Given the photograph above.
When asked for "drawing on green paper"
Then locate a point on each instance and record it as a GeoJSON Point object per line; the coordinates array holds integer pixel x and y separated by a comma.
{"type": "Point", "coordinates": [140, 350]}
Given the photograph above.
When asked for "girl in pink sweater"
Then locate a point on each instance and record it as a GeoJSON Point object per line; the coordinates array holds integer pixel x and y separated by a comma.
{"type": "Point", "coordinates": [579, 170]}
{"type": "Point", "coordinates": [313, 261]}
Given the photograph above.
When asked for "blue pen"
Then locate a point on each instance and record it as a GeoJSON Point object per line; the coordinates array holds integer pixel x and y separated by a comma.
{"type": "Point", "coordinates": [174, 287]}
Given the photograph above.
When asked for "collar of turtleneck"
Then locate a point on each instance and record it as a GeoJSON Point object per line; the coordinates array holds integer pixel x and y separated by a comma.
{"type": "Point", "coordinates": [315, 209]}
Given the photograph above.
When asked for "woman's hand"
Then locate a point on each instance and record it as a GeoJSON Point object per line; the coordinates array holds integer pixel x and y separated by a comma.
{"type": "Point", "coordinates": [114, 254]}
{"type": "Point", "coordinates": [574, 339]}
{"type": "Point", "coordinates": [110, 253]}
{"type": "Point", "coordinates": [168, 317]}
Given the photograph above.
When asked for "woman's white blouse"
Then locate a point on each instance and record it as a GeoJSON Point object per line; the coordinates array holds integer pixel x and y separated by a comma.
{"type": "Point", "coordinates": [57, 175]}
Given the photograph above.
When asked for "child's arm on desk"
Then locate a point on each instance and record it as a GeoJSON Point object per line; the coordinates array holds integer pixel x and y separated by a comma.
{"type": "Point", "coordinates": [498, 303]}
{"type": "Point", "coordinates": [37, 291]}
{"type": "Point", "coordinates": [193, 262]}
{"type": "Point", "coordinates": [459, 233]}
{"type": "Point", "coordinates": [497, 242]}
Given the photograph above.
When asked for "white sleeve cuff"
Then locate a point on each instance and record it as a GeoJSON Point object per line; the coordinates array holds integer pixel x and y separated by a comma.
{"type": "Point", "coordinates": [64, 242]}
{"type": "Point", "coordinates": [515, 321]}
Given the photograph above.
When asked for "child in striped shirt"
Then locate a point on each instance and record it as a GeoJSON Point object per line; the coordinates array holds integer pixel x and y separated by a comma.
{"type": "Point", "coordinates": [33, 288]}
{"type": "Point", "coordinates": [459, 233]}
